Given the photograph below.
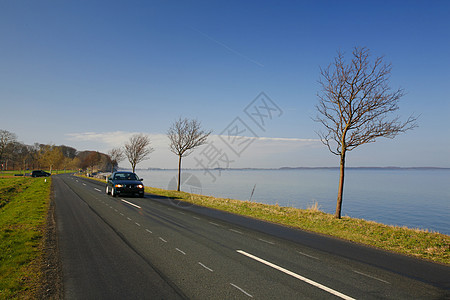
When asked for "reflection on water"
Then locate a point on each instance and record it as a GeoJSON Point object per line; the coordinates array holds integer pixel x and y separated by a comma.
{"type": "Point", "coordinates": [413, 198]}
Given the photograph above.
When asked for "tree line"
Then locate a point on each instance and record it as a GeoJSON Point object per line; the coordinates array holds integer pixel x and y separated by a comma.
{"type": "Point", "coordinates": [15, 155]}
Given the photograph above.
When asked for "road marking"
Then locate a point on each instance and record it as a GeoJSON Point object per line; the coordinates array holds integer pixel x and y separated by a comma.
{"type": "Point", "coordinates": [295, 275]}
{"type": "Point", "coordinates": [209, 269]}
{"type": "Point", "coordinates": [116, 210]}
{"type": "Point", "coordinates": [237, 231]}
{"type": "Point", "coordinates": [215, 224]}
{"type": "Point", "coordinates": [197, 218]}
{"type": "Point", "coordinates": [268, 242]}
{"type": "Point", "coordinates": [182, 252]}
{"type": "Point", "coordinates": [122, 214]}
{"type": "Point", "coordinates": [137, 224]}
{"type": "Point", "coordinates": [180, 212]}
{"type": "Point", "coordinates": [307, 255]}
{"type": "Point", "coordinates": [84, 184]}
{"type": "Point", "coordinates": [241, 290]}
{"type": "Point", "coordinates": [367, 275]}
{"type": "Point", "coordinates": [128, 219]}
{"type": "Point", "coordinates": [148, 231]}
{"type": "Point", "coordinates": [162, 239]}
{"type": "Point", "coordinates": [97, 189]}
{"type": "Point", "coordinates": [132, 204]}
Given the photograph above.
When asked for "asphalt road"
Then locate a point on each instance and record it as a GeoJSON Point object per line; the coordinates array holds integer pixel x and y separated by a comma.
{"type": "Point", "coordinates": [157, 248]}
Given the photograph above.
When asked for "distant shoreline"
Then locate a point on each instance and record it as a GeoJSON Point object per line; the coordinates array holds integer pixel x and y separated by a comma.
{"type": "Point", "coordinates": [301, 168]}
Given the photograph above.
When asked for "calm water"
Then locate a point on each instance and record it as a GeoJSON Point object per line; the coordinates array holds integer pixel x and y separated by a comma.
{"type": "Point", "coordinates": [413, 198]}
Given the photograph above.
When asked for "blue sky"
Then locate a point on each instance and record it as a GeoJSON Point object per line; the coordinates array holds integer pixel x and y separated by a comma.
{"type": "Point", "coordinates": [89, 74]}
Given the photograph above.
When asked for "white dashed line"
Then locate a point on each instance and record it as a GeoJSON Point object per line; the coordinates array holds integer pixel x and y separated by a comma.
{"type": "Point", "coordinates": [84, 184]}
{"type": "Point", "coordinates": [128, 219]}
{"type": "Point", "coordinates": [180, 212]}
{"type": "Point", "coordinates": [148, 231]}
{"type": "Point", "coordinates": [162, 239]}
{"type": "Point", "coordinates": [215, 224]}
{"type": "Point", "coordinates": [268, 242]}
{"type": "Point", "coordinates": [236, 231]}
{"type": "Point", "coordinates": [97, 189]}
{"type": "Point", "coordinates": [307, 255]}
{"type": "Point", "coordinates": [137, 224]}
{"type": "Point", "coordinates": [309, 281]}
{"type": "Point", "coordinates": [209, 269]}
{"type": "Point", "coordinates": [132, 204]}
{"type": "Point", "coordinates": [241, 290]}
{"type": "Point", "coordinates": [182, 252]}
{"type": "Point", "coordinates": [197, 218]}
{"type": "Point", "coordinates": [367, 275]}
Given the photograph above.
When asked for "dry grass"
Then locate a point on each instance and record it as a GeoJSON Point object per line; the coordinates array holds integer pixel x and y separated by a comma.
{"type": "Point", "coordinates": [414, 242]}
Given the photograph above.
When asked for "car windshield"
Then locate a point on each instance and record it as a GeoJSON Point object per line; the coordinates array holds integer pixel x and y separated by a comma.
{"type": "Point", "coordinates": [125, 176]}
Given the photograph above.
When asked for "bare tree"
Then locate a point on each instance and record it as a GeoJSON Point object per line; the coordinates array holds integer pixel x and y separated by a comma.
{"type": "Point", "coordinates": [137, 149]}
{"type": "Point", "coordinates": [6, 139]}
{"type": "Point", "coordinates": [184, 136]}
{"type": "Point", "coordinates": [116, 155]}
{"type": "Point", "coordinates": [356, 105]}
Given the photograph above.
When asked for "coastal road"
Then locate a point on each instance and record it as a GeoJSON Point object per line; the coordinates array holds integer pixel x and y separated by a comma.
{"type": "Point", "coordinates": [156, 248]}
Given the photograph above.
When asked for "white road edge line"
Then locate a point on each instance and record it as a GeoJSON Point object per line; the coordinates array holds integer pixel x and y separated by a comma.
{"type": "Point", "coordinates": [132, 204]}
{"type": "Point", "coordinates": [209, 269]}
{"type": "Point", "coordinates": [181, 251]}
{"type": "Point", "coordinates": [367, 275]}
{"type": "Point", "coordinates": [295, 275]}
{"type": "Point", "coordinates": [241, 290]}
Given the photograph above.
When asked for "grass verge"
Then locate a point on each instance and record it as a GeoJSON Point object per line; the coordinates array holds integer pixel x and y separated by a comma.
{"type": "Point", "coordinates": [413, 242]}
{"type": "Point", "coordinates": [22, 221]}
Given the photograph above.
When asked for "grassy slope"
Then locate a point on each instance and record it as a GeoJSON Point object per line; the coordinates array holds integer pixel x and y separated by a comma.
{"type": "Point", "coordinates": [418, 243]}
{"type": "Point", "coordinates": [22, 220]}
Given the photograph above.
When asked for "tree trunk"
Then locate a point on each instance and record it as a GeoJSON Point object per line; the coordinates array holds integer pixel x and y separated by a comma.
{"type": "Point", "coordinates": [337, 215]}
{"type": "Point", "coordinates": [179, 172]}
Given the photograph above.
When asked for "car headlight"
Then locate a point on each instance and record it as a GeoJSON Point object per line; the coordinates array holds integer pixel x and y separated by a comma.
{"type": "Point", "coordinates": [140, 186]}
{"type": "Point", "coordinates": [119, 185]}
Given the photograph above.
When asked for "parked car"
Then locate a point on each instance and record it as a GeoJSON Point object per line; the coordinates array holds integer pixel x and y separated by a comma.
{"type": "Point", "coordinates": [40, 173]}
{"type": "Point", "coordinates": [120, 183]}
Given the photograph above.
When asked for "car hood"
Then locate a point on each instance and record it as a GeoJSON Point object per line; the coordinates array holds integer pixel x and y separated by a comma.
{"type": "Point", "coordinates": [127, 182]}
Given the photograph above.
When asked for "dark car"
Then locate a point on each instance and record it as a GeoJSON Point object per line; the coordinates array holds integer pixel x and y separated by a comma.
{"type": "Point", "coordinates": [120, 183]}
{"type": "Point", "coordinates": [40, 173]}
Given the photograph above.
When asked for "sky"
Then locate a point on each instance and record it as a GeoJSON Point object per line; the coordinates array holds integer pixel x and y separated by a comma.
{"type": "Point", "coordinates": [90, 74]}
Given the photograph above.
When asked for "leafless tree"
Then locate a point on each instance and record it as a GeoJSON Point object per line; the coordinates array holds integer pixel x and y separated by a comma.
{"type": "Point", "coordinates": [116, 155]}
{"type": "Point", "coordinates": [356, 105]}
{"type": "Point", "coordinates": [185, 135]}
{"type": "Point", "coordinates": [137, 149]}
{"type": "Point", "coordinates": [6, 139]}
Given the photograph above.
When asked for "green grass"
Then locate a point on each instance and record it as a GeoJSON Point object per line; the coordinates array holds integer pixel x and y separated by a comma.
{"type": "Point", "coordinates": [22, 221]}
{"type": "Point", "coordinates": [413, 242]}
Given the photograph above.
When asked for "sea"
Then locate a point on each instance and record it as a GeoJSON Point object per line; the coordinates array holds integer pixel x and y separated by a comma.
{"type": "Point", "coordinates": [415, 198]}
